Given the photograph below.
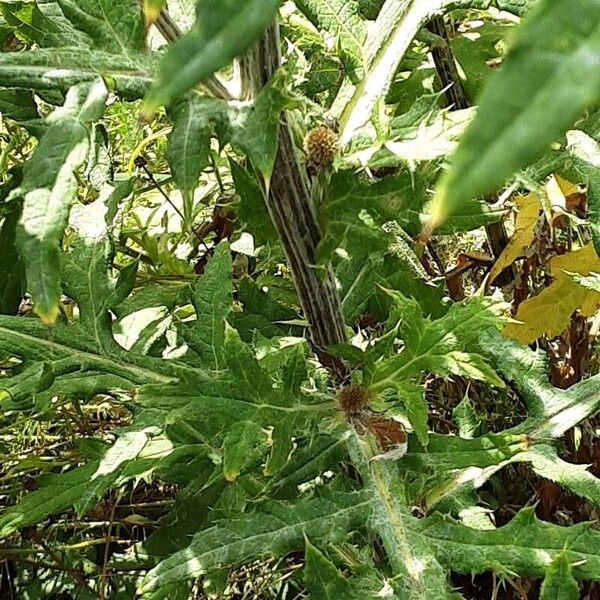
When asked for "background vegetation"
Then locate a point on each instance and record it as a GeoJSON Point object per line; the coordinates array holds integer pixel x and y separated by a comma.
{"type": "Point", "coordinates": [249, 248]}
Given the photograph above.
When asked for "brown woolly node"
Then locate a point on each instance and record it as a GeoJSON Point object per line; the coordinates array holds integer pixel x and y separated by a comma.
{"type": "Point", "coordinates": [353, 399]}
{"type": "Point", "coordinates": [321, 146]}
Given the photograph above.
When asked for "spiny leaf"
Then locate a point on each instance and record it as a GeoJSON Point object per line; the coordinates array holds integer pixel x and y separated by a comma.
{"type": "Point", "coordinates": [575, 478]}
{"type": "Point", "coordinates": [212, 300]}
{"type": "Point", "coordinates": [549, 312]}
{"type": "Point", "coordinates": [83, 355]}
{"type": "Point", "coordinates": [252, 128]}
{"type": "Point", "coordinates": [418, 575]}
{"type": "Point", "coordinates": [434, 345]}
{"type": "Point", "coordinates": [340, 18]}
{"type": "Point", "coordinates": [43, 24]}
{"type": "Point", "coordinates": [552, 411]}
{"type": "Point", "coordinates": [277, 529]}
{"type": "Point", "coordinates": [57, 495]}
{"type": "Point", "coordinates": [251, 210]}
{"type": "Point", "coordinates": [239, 448]}
{"type": "Point", "coordinates": [396, 25]}
{"type": "Point", "coordinates": [354, 209]}
{"type": "Point", "coordinates": [12, 274]}
{"type": "Point", "coordinates": [525, 546]}
{"type": "Point", "coordinates": [323, 581]}
{"type": "Point", "coordinates": [559, 583]}
{"type": "Point", "coordinates": [17, 104]}
{"type": "Point", "coordinates": [311, 459]}
{"type": "Point", "coordinates": [586, 152]}
{"type": "Point", "coordinates": [188, 149]}
{"type": "Point", "coordinates": [49, 70]}
{"type": "Point", "coordinates": [465, 416]}
{"type": "Point", "coordinates": [113, 26]}
{"type": "Point", "coordinates": [590, 282]}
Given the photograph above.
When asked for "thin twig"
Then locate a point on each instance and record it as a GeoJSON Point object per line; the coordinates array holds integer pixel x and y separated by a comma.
{"type": "Point", "coordinates": [60, 565]}
{"type": "Point", "coordinates": [104, 575]}
{"type": "Point", "coordinates": [141, 162]}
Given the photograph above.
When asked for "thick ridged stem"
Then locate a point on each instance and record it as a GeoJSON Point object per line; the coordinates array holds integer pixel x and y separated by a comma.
{"type": "Point", "coordinates": [293, 213]}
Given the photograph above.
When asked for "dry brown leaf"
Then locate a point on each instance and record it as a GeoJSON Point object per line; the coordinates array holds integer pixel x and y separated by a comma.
{"type": "Point", "coordinates": [550, 311]}
{"type": "Point", "coordinates": [529, 208]}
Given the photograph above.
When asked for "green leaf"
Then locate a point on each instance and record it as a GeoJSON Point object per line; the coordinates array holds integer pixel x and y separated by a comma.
{"type": "Point", "coordinates": [223, 30]}
{"type": "Point", "coordinates": [43, 24]}
{"type": "Point", "coordinates": [417, 410]}
{"type": "Point", "coordinates": [340, 19]}
{"type": "Point", "coordinates": [80, 488]}
{"type": "Point", "coordinates": [57, 494]}
{"type": "Point", "coordinates": [465, 416]}
{"type": "Point", "coordinates": [590, 282]}
{"type": "Point", "coordinates": [12, 274]}
{"type": "Point", "coordinates": [204, 407]}
{"type": "Point", "coordinates": [276, 530]}
{"type": "Point", "coordinates": [49, 186]}
{"type": "Point", "coordinates": [434, 345]}
{"type": "Point", "coordinates": [80, 357]}
{"type": "Point", "coordinates": [517, 7]}
{"type": "Point", "coordinates": [586, 152]}
{"type": "Point", "coordinates": [323, 581]}
{"type": "Point", "coordinates": [524, 547]}
{"type": "Point", "coordinates": [251, 210]}
{"type": "Point", "coordinates": [311, 459]}
{"type": "Point", "coordinates": [261, 313]}
{"type": "Point", "coordinates": [366, 274]}
{"type": "Point", "coordinates": [353, 211]}
{"type": "Point", "coordinates": [295, 372]}
{"type": "Point", "coordinates": [559, 583]}
{"type": "Point", "coordinates": [212, 300]}
{"type": "Point", "coordinates": [113, 26]}
{"type": "Point", "coordinates": [256, 131]}
{"type": "Point", "coordinates": [188, 149]}
{"type": "Point", "coordinates": [575, 478]}
{"type": "Point", "coordinates": [240, 447]}
{"type": "Point", "coordinates": [551, 74]}
{"type": "Point", "coordinates": [49, 70]}
{"type": "Point", "coordinates": [17, 104]}
{"type": "Point", "coordinates": [251, 128]}
{"type": "Point", "coordinates": [551, 411]}
{"type": "Point", "coordinates": [474, 55]}
{"type": "Point", "coordinates": [417, 573]}
{"type": "Point", "coordinates": [397, 24]}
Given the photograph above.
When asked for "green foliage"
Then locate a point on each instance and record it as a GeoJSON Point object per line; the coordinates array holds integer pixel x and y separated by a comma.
{"type": "Point", "coordinates": [169, 426]}
{"type": "Point", "coordinates": [550, 75]}
{"type": "Point", "coordinates": [559, 581]}
{"type": "Point", "coordinates": [48, 188]}
{"type": "Point", "coordinates": [340, 19]}
{"type": "Point", "coordinates": [323, 580]}
{"type": "Point", "coordinates": [516, 546]}
{"type": "Point", "coordinates": [222, 31]}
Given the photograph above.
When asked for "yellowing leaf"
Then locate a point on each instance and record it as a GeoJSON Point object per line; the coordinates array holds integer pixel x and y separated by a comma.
{"type": "Point", "coordinates": [529, 208]}
{"type": "Point", "coordinates": [559, 189]}
{"type": "Point", "coordinates": [549, 312]}
{"type": "Point", "coordinates": [152, 10]}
